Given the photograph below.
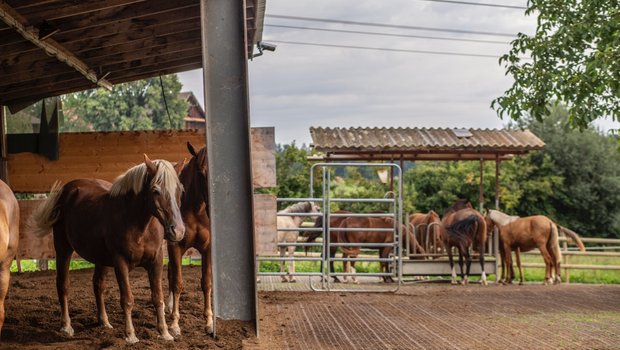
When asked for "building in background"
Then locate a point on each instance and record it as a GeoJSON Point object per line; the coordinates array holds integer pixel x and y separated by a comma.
{"type": "Point", "coordinates": [195, 118]}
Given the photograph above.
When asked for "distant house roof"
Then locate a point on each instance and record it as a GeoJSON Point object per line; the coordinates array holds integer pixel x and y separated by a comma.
{"type": "Point", "coordinates": [422, 143]}
{"type": "Point", "coordinates": [193, 102]}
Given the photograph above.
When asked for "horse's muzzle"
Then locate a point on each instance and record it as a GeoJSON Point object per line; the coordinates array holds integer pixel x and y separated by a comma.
{"type": "Point", "coordinates": [174, 234]}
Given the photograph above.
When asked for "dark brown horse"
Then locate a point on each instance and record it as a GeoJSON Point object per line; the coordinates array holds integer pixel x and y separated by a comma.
{"type": "Point", "coordinates": [366, 237]}
{"type": "Point", "coordinates": [9, 240]}
{"type": "Point", "coordinates": [195, 212]}
{"type": "Point", "coordinates": [427, 232]}
{"type": "Point", "coordinates": [120, 225]}
{"type": "Point", "coordinates": [464, 227]}
{"type": "Point", "coordinates": [334, 222]}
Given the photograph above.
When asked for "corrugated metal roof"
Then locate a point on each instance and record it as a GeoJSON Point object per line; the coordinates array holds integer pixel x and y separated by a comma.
{"type": "Point", "coordinates": [428, 140]}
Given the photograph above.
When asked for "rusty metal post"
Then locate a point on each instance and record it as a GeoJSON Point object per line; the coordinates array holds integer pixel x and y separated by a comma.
{"type": "Point", "coordinates": [481, 189]}
{"type": "Point", "coordinates": [228, 142]}
{"type": "Point", "coordinates": [497, 181]}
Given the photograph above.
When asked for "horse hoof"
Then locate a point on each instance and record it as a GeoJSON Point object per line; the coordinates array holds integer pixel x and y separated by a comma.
{"type": "Point", "coordinates": [165, 336]}
{"type": "Point", "coordinates": [210, 329]}
{"type": "Point", "coordinates": [284, 280]}
{"type": "Point", "coordinates": [336, 280]}
{"type": "Point", "coordinates": [132, 339]}
{"type": "Point", "coordinates": [453, 282]}
{"type": "Point", "coordinates": [107, 325]}
{"type": "Point", "coordinates": [292, 280]}
{"type": "Point", "coordinates": [485, 283]}
{"type": "Point", "coordinates": [67, 330]}
{"type": "Point", "coordinates": [175, 331]}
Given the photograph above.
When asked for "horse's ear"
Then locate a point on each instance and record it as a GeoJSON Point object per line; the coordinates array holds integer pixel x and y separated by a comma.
{"type": "Point", "coordinates": [180, 165]}
{"type": "Point", "coordinates": [191, 149]}
{"type": "Point", "coordinates": [150, 166]}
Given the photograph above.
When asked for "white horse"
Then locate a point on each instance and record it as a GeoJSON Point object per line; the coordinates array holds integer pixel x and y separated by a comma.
{"type": "Point", "coordinates": [290, 222]}
{"type": "Point", "coordinates": [500, 218]}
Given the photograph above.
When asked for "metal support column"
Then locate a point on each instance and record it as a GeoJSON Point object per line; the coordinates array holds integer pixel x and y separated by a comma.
{"type": "Point", "coordinates": [481, 186]}
{"type": "Point", "coordinates": [228, 141]}
{"type": "Point", "coordinates": [497, 182]}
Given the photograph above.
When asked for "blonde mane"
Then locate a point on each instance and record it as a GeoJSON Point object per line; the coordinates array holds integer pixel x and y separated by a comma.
{"type": "Point", "coordinates": [500, 218]}
{"type": "Point", "coordinates": [133, 179]}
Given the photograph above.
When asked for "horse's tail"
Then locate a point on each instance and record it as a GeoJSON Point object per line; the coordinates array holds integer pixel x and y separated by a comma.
{"type": "Point", "coordinates": [46, 215]}
{"type": "Point", "coordinates": [554, 243]}
{"type": "Point", "coordinates": [574, 236]}
{"type": "Point", "coordinates": [469, 224]}
{"type": "Point", "coordinates": [313, 235]}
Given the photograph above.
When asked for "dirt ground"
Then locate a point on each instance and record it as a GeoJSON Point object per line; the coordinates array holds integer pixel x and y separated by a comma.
{"type": "Point", "coordinates": [442, 316]}
{"type": "Point", "coordinates": [33, 316]}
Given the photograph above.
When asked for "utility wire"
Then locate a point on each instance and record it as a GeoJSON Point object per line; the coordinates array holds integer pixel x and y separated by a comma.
{"type": "Point", "coordinates": [385, 49]}
{"type": "Point", "coordinates": [445, 30]}
{"type": "Point", "coordinates": [478, 4]}
{"type": "Point", "coordinates": [387, 34]}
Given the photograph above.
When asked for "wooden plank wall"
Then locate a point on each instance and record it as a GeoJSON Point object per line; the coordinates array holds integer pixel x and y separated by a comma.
{"type": "Point", "coordinates": [265, 224]}
{"type": "Point", "coordinates": [106, 155]}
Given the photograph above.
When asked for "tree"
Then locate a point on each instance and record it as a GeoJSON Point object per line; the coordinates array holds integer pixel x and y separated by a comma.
{"type": "Point", "coordinates": [575, 61]}
{"type": "Point", "coordinates": [136, 105]}
{"type": "Point", "coordinates": [292, 171]}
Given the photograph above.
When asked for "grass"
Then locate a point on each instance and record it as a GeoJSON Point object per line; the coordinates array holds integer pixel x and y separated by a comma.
{"type": "Point", "coordinates": [32, 265]}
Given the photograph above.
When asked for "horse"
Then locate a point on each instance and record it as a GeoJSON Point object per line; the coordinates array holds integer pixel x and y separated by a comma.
{"type": "Point", "coordinates": [121, 225]}
{"type": "Point", "coordinates": [290, 236]}
{"type": "Point", "coordinates": [195, 214]}
{"type": "Point", "coordinates": [334, 222]}
{"type": "Point", "coordinates": [427, 232]}
{"type": "Point", "coordinates": [463, 227]}
{"type": "Point", "coordinates": [9, 240]}
{"type": "Point", "coordinates": [524, 234]}
{"type": "Point", "coordinates": [365, 237]}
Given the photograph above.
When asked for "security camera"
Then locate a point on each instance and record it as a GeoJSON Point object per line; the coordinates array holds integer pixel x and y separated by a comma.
{"type": "Point", "coordinates": [266, 46]}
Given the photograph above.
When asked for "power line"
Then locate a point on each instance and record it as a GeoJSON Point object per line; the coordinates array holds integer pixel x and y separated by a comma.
{"type": "Point", "coordinates": [385, 49]}
{"type": "Point", "coordinates": [387, 34]}
{"type": "Point", "coordinates": [478, 4]}
{"type": "Point", "coordinates": [446, 30]}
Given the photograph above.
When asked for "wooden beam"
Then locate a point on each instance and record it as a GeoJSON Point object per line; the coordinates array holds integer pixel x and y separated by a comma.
{"type": "Point", "coordinates": [54, 11]}
{"type": "Point", "coordinates": [16, 21]}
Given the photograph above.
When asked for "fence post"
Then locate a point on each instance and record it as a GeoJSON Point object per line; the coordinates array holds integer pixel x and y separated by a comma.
{"type": "Point", "coordinates": [566, 270]}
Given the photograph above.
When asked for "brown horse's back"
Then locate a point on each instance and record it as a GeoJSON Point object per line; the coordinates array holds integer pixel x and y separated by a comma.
{"type": "Point", "coordinates": [528, 232]}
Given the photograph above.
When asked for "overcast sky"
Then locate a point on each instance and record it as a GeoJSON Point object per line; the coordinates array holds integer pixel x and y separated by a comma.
{"type": "Point", "coordinates": [300, 86]}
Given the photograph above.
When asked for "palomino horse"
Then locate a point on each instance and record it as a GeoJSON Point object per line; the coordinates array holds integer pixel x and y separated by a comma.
{"type": "Point", "coordinates": [427, 232]}
{"type": "Point", "coordinates": [366, 237]}
{"type": "Point", "coordinates": [195, 213]}
{"type": "Point", "coordinates": [464, 227]}
{"type": "Point", "coordinates": [9, 240]}
{"type": "Point", "coordinates": [290, 236]}
{"type": "Point", "coordinates": [524, 234]}
{"type": "Point", "coordinates": [120, 225]}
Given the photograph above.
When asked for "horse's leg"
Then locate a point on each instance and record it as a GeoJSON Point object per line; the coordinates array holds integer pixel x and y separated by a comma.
{"type": "Point", "coordinates": [345, 266]}
{"type": "Point", "coordinates": [548, 264]}
{"type": "Point", "coordinates": [461, 253]}
{"type": "Point", "coordinates": [291, 264]}
{"type": "Point", "coordinates": [157, 296]}
{"type": "Point", "coordinates": [206, 283]}
{"type": "Point", "coordinates": [518, 258]}
{"type": "Point", "coordinates": [63, 259]}
{"type": "Point", "coordinates": [385, 253]}
{"type": "Point", "coordinates": [508, 264]}
{"type": "Point", "coordinates": [483, 277]}
{"type": "Point", "coordinates": [5, 274]}
{"type": "Point", "coordinates": [99, 288]}
{"type": "Point", "coordinates": [451, 259]}
{"type": "Point", "coordinates": [282, 252]}
{"type": "Point", "coordinates": [332, 254]}
{"type": "Point", "coordinates": [175, 285]}
{"type": "Point", "coordinates": [121, 270]}
{"type": "Point", "coordinates": [468, 264]}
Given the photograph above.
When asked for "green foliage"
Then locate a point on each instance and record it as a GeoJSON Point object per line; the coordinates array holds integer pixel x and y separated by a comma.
{"type": "Point", "coordinates": [136, 105]}
{"type": "Point", "coordinates": [293, 171]}
{"type": "Point", "coordinates": [575, 61]}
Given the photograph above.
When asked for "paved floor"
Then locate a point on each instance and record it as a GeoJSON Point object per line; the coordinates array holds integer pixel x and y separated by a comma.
{"type": "Point", "coordinates": [439, 316]}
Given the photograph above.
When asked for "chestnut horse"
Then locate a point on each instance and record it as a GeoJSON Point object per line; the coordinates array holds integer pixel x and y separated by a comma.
{"type": "Point", "coordinates": [427, 232]}
{"type": "Point", "coordinates": [9, 239]}
{"type": "Point", "coordinates": [463, 227]}
{"type": "Point", "coordinates": [366, 237]}
{"type": "Point", "coordinates": [195, 213]}
{"type": "Point", "coordinates": [524, 234]}
{"type": "Point", "coordinates": [334, 222]}
{"type": "Point", "coordinates": [120, 225]}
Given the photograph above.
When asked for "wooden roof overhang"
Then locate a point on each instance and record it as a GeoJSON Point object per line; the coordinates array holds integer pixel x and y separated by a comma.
{"type": "Point", "coordinates": [53, 47]}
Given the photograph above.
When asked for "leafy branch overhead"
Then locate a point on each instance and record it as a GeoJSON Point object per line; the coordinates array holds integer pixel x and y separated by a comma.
{"type": "Point", "coordinates": [573, 59]}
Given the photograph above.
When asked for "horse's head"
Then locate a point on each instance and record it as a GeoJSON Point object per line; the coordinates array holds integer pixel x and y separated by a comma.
{"type": "Point", "coordinates": [197, 171]}
{"type": "Point", "coordinates": [163, 197]}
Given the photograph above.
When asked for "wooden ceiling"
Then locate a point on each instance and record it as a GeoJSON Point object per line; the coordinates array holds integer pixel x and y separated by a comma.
{"type": "Point", "coordinates": [53, 47]}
